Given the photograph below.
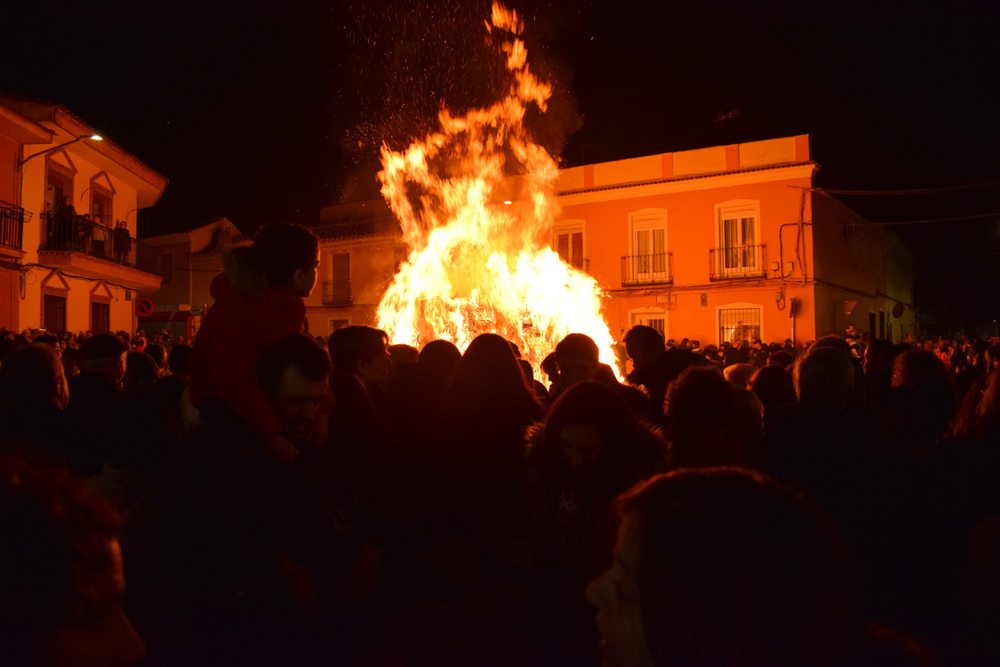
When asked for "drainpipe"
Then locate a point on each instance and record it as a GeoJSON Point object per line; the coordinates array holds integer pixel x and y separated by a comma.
{"type": "Point", "coordinates": [792, 307]}
{"type": "Point", "coordinates": [800, 245]}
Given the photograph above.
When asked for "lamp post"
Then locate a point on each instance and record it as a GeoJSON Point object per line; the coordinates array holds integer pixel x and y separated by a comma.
{"type": "Point", "coordinates": [92, 137]}
{"type": "Point", "coordinates": [21, 163]}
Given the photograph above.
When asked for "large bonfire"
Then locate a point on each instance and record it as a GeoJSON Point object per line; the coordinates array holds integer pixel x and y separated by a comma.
{"type": "Point", "coordinates": [476, 203]}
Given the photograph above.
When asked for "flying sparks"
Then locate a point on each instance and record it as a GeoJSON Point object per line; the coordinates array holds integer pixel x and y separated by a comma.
{"type": "Point", "coordinates": [477, 265]}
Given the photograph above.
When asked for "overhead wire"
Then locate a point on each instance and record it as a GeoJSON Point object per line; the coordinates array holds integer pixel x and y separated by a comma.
{"type": "Point", "coordinates": [932, 220]}
{"type": "Point", "coordinates": [888, 223]}
{"type": "Point", "coordinates": [912, 191]}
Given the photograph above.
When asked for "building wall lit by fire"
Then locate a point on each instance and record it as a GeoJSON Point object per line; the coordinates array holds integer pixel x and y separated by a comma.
{"type": "Point", "coordinates": [74, 272]}
{"type": "Point", "coordinates": [360, 250]}
{"type": "Point", "coordinates": [188, 259]}
{"type": "Point", "coordinates": [711, 244]}
{"type": "Point", "coordinates": [731, 242]}
{"type": "Point", "coordinates": [15, 132]}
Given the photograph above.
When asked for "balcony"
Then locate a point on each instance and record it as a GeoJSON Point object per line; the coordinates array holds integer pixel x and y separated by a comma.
{"type": "Point", "coordinates": [736, 262]}
{"type": "Point", "coordinates": [73, 242]}
{"type": "Point", "coordinates": [337, 293]}
{"type": "Point", "coordinates": [647, 269]}
{"type": "Point", "coordinates": [12, 219]}
{"type": "Point", "coordinates": [578, 264]}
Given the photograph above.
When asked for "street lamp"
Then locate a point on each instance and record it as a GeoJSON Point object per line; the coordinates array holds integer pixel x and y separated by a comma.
{"type": "Point", "coordinates": [92, 137]}
{"type": "Point", "coordinates": [21, 163]}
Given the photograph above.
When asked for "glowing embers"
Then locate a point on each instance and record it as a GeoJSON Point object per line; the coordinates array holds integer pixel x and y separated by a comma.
{"type": "Point", "coordinates": [478, 264]}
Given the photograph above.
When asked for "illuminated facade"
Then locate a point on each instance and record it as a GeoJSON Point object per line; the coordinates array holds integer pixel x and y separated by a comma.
{"type": "Point", "coordinates": [188, 259]}
{"type": "Point", "coordinates": [15, 132]}
{"type": "Point", "coordinates": [731, 242]}
{"type": "Point", "coordinates": [711, 244]}
{"type": "Point", "coordinates": [360, 250]}
{"type": "Point", "coordinates": [76, 272]}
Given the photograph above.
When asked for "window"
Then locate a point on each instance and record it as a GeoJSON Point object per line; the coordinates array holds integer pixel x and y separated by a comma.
{"type": "Point", "coordinates": [335, 324]}
{"type": "Point", "coordinates": [650, 317]}
{"type": "Point", "coordinates": [100, 206]}
{"type": "Point", "coordinates": [166, 268]}
{"type": "Point", "coordinates": [568, 243]}
{"type": "Point", "coordinates": [54, 317]}
{"type": "Point", "coordinates": [100, 308]}
{"type": "Point", "coordinates": [340, 267]}
{"type": "Point", "coordinates": [739, 251]}
{"type": "Point", "coordinates": [739, 321]}
{"type": "Point", "coordinates": [648, 247]}
{"type": "Point", "coordinates": [58, 186]}
{"type": "Point", "coordinates": [337, 291]}
{"type": "Point", "coordinates": [60, 227]}
{"type": "Point", "coordinates": [100, 317]}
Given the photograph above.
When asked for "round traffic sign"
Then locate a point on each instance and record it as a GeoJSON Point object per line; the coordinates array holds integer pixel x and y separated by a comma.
{"type": "Point", "coordinates": [144, 307]}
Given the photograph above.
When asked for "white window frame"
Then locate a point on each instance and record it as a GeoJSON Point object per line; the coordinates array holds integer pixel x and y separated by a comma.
{"type": "Point", "coordinates": [98, 193]}
{"type": "Point", "coordinates": [644, 315]}
{"type": "Point", "coordinates": [739, 305]}
{"type": "Point", "coordinates": [570, 227]}
{"type": "Point", "coordinates": [646, 222]}
{"type": "Point", "coordinates": [734, 261]}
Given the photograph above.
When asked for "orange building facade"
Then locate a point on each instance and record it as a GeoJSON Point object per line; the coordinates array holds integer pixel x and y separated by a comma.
{"type": "Point", "coordinates": [16, 131]}
{"type": "Point", "coordinates": [188, 259]}
{"type": "Point", "coordinates": [731, 242]}
{"type": "Point", "coordinates": [711, 245]}
{"type": "Point", "coordinates": [360, 248]}
{"type": "Point", "coordinates": [360, 251]}
{"type": "Point", "coordinates": [71, 190]}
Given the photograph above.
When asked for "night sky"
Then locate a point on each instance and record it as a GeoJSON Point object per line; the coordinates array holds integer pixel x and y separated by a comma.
{"type": "Point", "coordinates": [268, 111]}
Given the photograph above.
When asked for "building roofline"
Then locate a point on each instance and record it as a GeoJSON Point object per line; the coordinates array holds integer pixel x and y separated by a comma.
{"type": "Point", "coordinates": [29, 126]}
{"type": "Point", "coordinates": [43, 111]}
{"type": "Point", "coordinates": [382, 225]}
{"type": "Point", "coordinates": [661, 181]}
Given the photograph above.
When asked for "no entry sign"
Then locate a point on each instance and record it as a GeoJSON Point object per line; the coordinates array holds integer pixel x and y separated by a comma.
{"type": "Point", "coordinates": [143, 307]}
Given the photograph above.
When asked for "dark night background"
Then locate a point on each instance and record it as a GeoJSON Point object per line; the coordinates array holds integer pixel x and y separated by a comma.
{"type": "Point", "coordinates": [268, 111]}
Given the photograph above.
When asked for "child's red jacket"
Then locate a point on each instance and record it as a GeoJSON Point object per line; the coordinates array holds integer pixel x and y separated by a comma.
{"type": "Point", "coordinates": [243, 322]}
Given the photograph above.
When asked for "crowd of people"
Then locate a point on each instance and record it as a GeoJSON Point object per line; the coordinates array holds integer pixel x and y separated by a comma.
{"type": "Point", "coordinates": [265, 496]}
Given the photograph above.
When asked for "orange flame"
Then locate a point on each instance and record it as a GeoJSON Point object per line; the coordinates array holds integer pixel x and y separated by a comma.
{"type": "Point", "coordinates": [477, 265]}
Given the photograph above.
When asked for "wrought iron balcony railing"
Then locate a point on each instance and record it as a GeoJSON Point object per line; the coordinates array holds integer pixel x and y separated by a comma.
{"type": "Point", "coordinates": [12, 219]}
{"type": "Point", "coordinates": [745, 261]}
{"type": "Point", "coordinates": [78, 234]}
{"type": "Point", "coordinates": [647, 269]}
{"type": "Point", "coordinates": [579, 264]}
{"type": "Point", "coordinates": [337, 293]}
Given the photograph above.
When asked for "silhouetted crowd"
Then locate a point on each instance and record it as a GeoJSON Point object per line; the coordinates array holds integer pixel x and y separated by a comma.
{"type": "Point", "coordinates": [347, 501]}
